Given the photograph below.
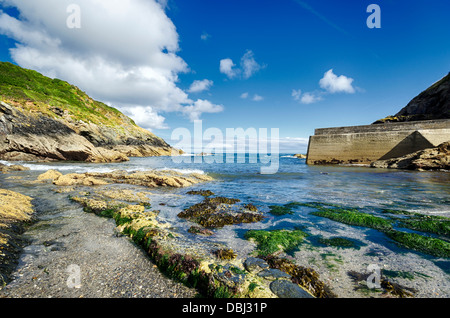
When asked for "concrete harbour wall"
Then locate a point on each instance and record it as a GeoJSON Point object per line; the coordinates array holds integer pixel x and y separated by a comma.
{"type": "Point", "coordinates": [365, 144]}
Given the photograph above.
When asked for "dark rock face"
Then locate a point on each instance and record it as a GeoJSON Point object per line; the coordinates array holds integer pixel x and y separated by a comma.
{"type": "Point", "coordinates": [433, 103]}
{"type": "Point", "coordinates": [28, 136]}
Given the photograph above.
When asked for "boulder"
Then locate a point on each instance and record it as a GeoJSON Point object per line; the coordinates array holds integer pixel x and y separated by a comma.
{"type": "Point", "coordinates": [286, 289]}
{"type": "Point", "coordinates": [437, 158]}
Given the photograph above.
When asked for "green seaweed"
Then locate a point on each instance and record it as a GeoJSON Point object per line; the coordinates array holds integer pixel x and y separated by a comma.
{"type": "Point", "coordinates": [280, 210]}
{"type": "Point", "coordinates": [354, 217]}
{"type": "Point", "coordinates": [217, 212]}
{"type": "Point", "coordinates": [426, 223]}
{"type": "Point", "coordinates": [270, 242]}
{"type": "Point", "coordinates": [205, 193]}
{"type": "Point", "coordinates": [225, 254]}
{"type": "Point", "coordinates": [420, 243]}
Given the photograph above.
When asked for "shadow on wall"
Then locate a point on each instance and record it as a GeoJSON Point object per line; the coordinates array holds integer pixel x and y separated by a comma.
{"type": "Point", "coordinates": [414, 142]}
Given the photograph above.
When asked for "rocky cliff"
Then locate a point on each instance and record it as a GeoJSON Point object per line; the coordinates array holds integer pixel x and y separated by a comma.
{"type": "Point", "coordinates": [433, 103]}
{"type": "Point", "coordinates": [49, 119]}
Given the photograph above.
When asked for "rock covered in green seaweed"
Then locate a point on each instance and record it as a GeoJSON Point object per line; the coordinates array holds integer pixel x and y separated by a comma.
{"type": "Point", "coordinates": [217, 212]}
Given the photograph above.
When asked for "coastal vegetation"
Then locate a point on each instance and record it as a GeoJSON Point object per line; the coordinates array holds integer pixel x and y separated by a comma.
{"type": "Point", "coordinates": [53, 97]}
{"type": "Point", "coordinates": [415, 221]}
{"type": "Point", "coordinates": [217, 212]}
{"type": "Point", "coordinates": [272, 242]}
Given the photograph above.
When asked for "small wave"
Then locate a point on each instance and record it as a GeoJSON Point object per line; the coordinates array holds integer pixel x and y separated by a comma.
{"type": "Point", "coordinates": [6, 163]}
{"type": "Point", "coordinates": [287, 156]}
{"type": "Point", "coordinates": [182, 171]}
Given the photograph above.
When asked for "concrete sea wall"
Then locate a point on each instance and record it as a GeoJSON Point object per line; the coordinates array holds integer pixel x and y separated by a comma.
{"type": "Point", "coordinates": [365, 144]}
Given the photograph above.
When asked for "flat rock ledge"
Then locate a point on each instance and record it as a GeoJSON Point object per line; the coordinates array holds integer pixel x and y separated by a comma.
{"type": "Point", "coordinates": [15, 210]}
{"type": "Point", "coordinates": [150, 179]}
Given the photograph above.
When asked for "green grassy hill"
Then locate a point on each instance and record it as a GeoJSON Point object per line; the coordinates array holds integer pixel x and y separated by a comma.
{"type": "Point", "coordinates": [34, 92]}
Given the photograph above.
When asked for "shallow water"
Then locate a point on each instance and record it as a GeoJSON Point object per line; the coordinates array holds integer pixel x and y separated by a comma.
{"type": "Point", "coordinates": [370, 190]}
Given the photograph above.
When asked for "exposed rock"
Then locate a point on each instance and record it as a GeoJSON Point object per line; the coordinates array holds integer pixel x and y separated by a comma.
{"type": "Point", "coordinates": [5, 168]}
{"type": "Point", "coordinates": [200, 231]}
{"type": "Point", "coordinates": [77, 179]}
{"type": "Point", "coordinates": [273, 274]}
{"type": "Point", "coordinates": [300, 156]}
{"type": "Point", "coordinates": [429, 159]}
{"type": "Point", "coordinates": [286, 289]}
{"type": "Point", "coordinates": [35, 137]}
{"type": "Point", "coordinates": [50, 175]}
{"type": "Point", "coordinates": [15, 209]}
{"type": "Point", "coordinates": [143, 178]}
{"type": "Point", "coordinates": [253, 264]}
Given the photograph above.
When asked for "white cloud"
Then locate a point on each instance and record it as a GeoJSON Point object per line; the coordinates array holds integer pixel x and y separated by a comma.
{"type": "Point", "coordinates": [201, 106]}
{"type": "Point", "coordinates": [101, 57]}
{"type": "Point", "coordinates": [205, 36]}
{"type": "Point", "coordinates": [296, 94]}
{"type": "Point", "coordinates": [248, 66]}
{"type": "Point", "coordinates": [336, 84]}
{"type": "Point", "coordinates": [146, 118]}
{"type": "Point", "coordinates": [330, 84]}
{"type": "Point", "coordinates": [244, 95]}
{"type": "Point", "coordinates": [257, 98]}
{"type": "Point", "coordinates": [200, 86]}
{"type": "Point", "coordinates": [310, 98]}
{"type": "Point", "coordinates": [227, 68]}
{"type": "Point", "coordinates": [306, 98]}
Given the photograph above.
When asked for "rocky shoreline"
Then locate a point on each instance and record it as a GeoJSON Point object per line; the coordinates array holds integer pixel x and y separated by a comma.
{"type": "Point", "coordinates": [126, 218]}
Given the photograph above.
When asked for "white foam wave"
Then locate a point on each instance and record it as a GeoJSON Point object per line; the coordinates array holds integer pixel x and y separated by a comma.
{"type": "Point", "coordinates": [182, 171]}
{"type": "Point", "coordinates": [83, 169]}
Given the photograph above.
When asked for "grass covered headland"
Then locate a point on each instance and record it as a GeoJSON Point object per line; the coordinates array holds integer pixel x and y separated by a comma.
{"type": "Point", "coordinates": [53, 97]}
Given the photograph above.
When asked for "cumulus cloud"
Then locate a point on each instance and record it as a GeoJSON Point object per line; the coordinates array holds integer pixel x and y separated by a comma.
{"type": "Point", "coordinates": [200, 86]}
{"type": "Point", "coordinates": [257, 98]}
{"type": "Point", "coordinates": [244, 95]}
{"type": "Point", "coordinates": [201, 106]}
{"type": "Point", "coordinates": [146, 117]}
{"type": "Point", "coordinates": [248, 66]}
{"type": "Point", "coordinates": [102, 57]}
{"type": "Point", "coordinates": [306, 98]}
{"type": "Point", "coordinates": [336, 84]}
{"type": "Point", "coordinates": [227, 67]}
{"type": "Point", "coordinates": [330, 84]}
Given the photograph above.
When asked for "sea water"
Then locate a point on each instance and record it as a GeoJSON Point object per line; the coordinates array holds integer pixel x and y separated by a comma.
{"type": "Point", "coordinates": [370, 190]}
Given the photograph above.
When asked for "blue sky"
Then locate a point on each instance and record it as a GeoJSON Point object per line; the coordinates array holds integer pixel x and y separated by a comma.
{"type": "Point", "coordinates": [281, 51]}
